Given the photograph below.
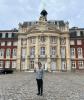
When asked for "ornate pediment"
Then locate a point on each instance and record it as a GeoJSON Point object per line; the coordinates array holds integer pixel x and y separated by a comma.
{"type": "Point", "coordinates": [43, 28]}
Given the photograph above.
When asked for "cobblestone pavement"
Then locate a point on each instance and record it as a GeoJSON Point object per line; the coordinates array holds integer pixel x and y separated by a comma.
{"type": "Point", "coordinates": [57, 86]}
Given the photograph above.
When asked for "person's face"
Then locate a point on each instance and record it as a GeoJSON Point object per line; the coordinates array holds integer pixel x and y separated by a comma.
{"type": "Point", "coordinates": [39, 65]}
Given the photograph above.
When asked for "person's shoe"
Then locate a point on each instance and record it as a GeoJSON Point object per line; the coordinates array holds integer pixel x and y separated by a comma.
{"type": "Point", "coordinates": [38, 93]}
{"type": "Point", "coordinates": [41, 94]}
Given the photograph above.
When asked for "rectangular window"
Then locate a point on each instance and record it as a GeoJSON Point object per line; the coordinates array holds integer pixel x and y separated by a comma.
{"type": "Point", "coordinates": [1, 52]}
{"type": "Point", "coordinates": [32, 51]}
{"type": "Point", "coordinates": [2, 43]}
{"type": "Point", "coordinates": [14, 53]}
{"type": "Point", "coordinates": [42, 51]}
{"type": "Point", "coordinates": [32, 40]}
{"type": "Point", "coordinates": [23, 53]}
{"type": "Point", "coordinates": [14, 43]}
{"type": "Point", "coordinates": [63, 65]}
{"type": "Point", "coordinates": [0, 35]}
{"type": "Point", "coordinates": [73, 64]}
{"type": "Point", "coordinates": [8, 53]}
{"type": "Point", "coordinates": [53, 51]}
{"type": "Point", "coordinates": [6, 35]}
{"type": "Point", "coordinates": [72, 52]}
{"type": "Point", "coordinates": [7, 64]}
{"type": "Point", "coordinates": [3, 35]}
{"type": "Point", "coordinates": [14, 64]}
{"type": "Point", "coordinates": [9, 35]}
{"type": "Point", "coordinates": [72, 42]}
{"type": "Point", "coordinates": [1, 64]}
{"type": "Point", "coordinates": [82, 33]}
{"type": "Point", "coordinates": [79, 42]}
{"type": "Point", "coordinates": [8, 43]}
{"type": "Point", "coordinates": [13, 35]}
{"type": "Point", "coordinates": [78, 33]}
{"type": "Point", "coordinates": [42, 39]}
{"type": "Point", "coordinates": [80, 64]}
{"type": "Point", "coordinates": [53, 39]}
{"type": "Point", "coordinates": [63, 52]}
{"type": "Point", "coordinates": [32, 64]}
{"type": "Point", "coordinates": [79, 52]}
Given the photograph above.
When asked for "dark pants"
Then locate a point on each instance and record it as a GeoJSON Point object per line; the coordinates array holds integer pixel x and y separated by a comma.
{"type": "Point", "coordinates": [40, 86]}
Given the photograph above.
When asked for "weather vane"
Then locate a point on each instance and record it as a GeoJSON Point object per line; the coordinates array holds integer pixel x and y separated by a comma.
{"type": "Point", "coordinates": [43, 4]}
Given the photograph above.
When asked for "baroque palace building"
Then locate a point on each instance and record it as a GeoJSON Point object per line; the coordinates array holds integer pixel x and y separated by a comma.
{"type": "Point", "coordinates": [51, 42]}
{"type": "Point", "coordinates": [44, 41]}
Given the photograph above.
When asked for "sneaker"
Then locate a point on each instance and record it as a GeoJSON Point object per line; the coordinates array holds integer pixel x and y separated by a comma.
{"type": "Point", "coordinates": [38, 93]}
{"type": "Point", "coordinates": [41, 94]}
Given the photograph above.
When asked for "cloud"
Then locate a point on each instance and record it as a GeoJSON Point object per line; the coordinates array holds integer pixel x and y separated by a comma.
{"type": "Point", "coordinates": [14, 11]}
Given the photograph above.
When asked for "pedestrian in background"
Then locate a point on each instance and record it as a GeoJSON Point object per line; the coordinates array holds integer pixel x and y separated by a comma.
{"type": "Point", "coordinates": [39, 78]}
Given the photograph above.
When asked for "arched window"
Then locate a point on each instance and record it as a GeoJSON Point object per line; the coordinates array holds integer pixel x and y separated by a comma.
{"type": "Point", "coordinates": [14, 53]}
{"type": "Point", "coordinates": [1, 52]}
{"type": "Point", "coordinates": [8, 52]}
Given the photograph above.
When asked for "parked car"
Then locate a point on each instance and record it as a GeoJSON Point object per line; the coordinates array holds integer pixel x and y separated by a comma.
{"type": "Point", "coordinates": [6, 71]}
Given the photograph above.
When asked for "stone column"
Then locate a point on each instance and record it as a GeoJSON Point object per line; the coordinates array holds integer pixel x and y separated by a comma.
{"type": "Point", "coordinates": [27, 55]}
{"type": "Point", "coordinates": [18, 68]}
{"type": "Point", "coordinates": [26, 65]}
{"type": "Point", "coordinates": [68, 53]}
{"type": "Point", "coordinates": [36, 51]}
{"type": "Point", "coordinates": [48, 53]}
{"type": "Point", "coordinates": [59, 55]}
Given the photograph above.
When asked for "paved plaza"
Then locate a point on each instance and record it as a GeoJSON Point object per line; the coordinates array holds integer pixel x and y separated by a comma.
{"type": "Point", "coordinates": [57, 86]}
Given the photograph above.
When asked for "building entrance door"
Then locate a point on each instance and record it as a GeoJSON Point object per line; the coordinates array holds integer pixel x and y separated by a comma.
{"type": "Point", "coordinates": [63, 65]}
{"type": "Point", "coordinates": [31, 64]}
{"type": "Point", "coordinates": [53, 66]}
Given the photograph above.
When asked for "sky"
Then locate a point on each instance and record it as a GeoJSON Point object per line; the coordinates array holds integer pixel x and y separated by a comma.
{"type": "Point", "coordinates": [12, 12]}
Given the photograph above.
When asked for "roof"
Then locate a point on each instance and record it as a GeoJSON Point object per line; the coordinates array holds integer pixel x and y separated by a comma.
{"type": "Point", "coordinates": [14, 30]}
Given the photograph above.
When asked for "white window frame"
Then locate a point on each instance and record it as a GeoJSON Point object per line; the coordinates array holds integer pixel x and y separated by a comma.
{"type": "Point", "coordinates": [1, 52]}
{"type": "Point", "coordinates": [32, 40]}
{"type": "Point", "coordinates": [9, 35]}
{"type": "Point", "coordinates": [79, 42]}
{"type": "Point", "coordinates": [3, 35]}
{"type": "Point", "coordinates": [8, 52]}
{"type": "Point", "coordinates": [78, 33]}
{"type": "Point", "coordinates": [53, 51]}
{"type": "Point", "coordinates": [72, 42]}
{"type": "Point", "coordinates": [7, 64]}
{"type": "Point", "coordinates": [14, 43]}
{"type": "Point", "coordinates": [23, 52]}
{"type": "Point", "coordinates": [63, 52]}
{"type": "Point", "coordinates": [63, 65]}
{"type": "Point", "coordinates": [79, 52]}
{"type": "Point", "coordinates": [9, 43]}
{"type": "Point", "coordinates": [42, 50]}
{"type": "Point", "coordinates": [32, 51]}
{"type": "Point", "coordinates": [13, 64]}
{"type": "Point", "coordinates": [73, 64]}
{"type": "Point", "coordinates": [2, 43]}
{"type": "Point", "coordinates": [72, 51]}
{"type": "Point", "coordinates": [14, 52]}
{"type": "Point", "coordinates": [53, 39]}
{"type": "Point", "coordinates": [81, 64]}
{"type": "Point", "coordinates": [1, 64]}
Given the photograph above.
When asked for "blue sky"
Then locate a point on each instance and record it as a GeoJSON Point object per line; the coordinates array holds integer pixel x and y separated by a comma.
{"type": "Point", "coordinates": [14, 11]}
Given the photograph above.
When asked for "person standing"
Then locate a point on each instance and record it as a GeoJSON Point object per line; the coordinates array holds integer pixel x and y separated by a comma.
{"type": "Point", "coordinates": [39, 79]}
